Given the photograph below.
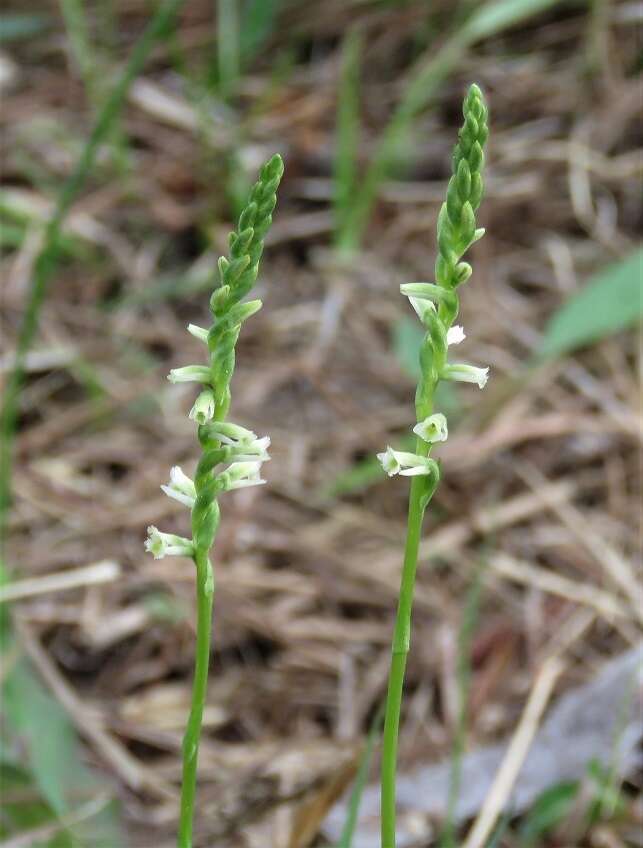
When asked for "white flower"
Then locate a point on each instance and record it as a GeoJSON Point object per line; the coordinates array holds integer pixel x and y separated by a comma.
{"type": "Point", "coordinates": [467, 374]}
{"type": "Point", "coordinates": [406, 464]}
{"type": "Point", "coordinates": [167, 544]}
{"type": "Point", "coordinates": [190, 374]}
{"type": "Point", "coordinates": [180, 487]}
{"type": "Point", "coordinates": [203, 408]}
{"type": "Point", "coordinates": [254, 451]}
{"type": "Point", "coordinates": [388, 461]}
{"type": "Point", "coordinates": [455, 335]}
{"type": "Point", "coordinates": [432, 429]}
{"type": "Point", "coordinates": [240, 475]}
{"type": "Point", "coordinates": [199, 333]}
{"type": "Point", "coordinates": [231, 434]}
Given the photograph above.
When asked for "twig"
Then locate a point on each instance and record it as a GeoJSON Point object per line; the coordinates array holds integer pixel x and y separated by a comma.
{"type": "Point", "coordinates": [516, 753]}
{"type": "Point", "coordinates": [100, 572]}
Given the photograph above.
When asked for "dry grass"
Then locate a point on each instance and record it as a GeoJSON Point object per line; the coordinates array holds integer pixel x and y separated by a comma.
{"type": "Point", "coordinates": [542, 475]}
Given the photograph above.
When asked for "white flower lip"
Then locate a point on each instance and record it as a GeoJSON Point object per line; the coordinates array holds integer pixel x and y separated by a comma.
{"type": "Point", "coordinates": [180, 488]}
{"type": "Point", "coordinates": [432, 429]}
{"type": "Point", "coordinates": [388, 461]}
{"type": "Point", "coordinates": [455, 335]}
{"type": "Point", "coordinates": [167, 544]}
{"type": "Point", "coordinates": [467, 374]}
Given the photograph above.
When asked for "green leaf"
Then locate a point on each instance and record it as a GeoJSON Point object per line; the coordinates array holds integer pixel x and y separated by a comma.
{"type": "Point", "coordinates": [610, 301]}
{"type": "Point", "coordinates": [17, 26]}
{"type": "Point", "coordinates": [549, 810]}
{"type": "Point", "coordinates": [495, 17]}
{"type": "Point", "coordinates": [48, 736]}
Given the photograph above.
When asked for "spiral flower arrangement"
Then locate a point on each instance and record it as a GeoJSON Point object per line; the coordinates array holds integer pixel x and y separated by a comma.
{"type": "Point", "coordinates": [436, 305]}
{"type": "Point", "coordinates": [231, 455]}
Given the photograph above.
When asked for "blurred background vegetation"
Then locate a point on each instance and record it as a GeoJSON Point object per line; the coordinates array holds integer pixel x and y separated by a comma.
{"type": "Point", "coordinates": [131, 132]}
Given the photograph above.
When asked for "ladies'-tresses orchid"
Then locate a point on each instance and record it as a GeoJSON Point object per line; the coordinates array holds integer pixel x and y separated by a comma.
{"type": "Point", "coordinates": [222, 444]}
{"type": "Point", "coordinates": [436, 305]}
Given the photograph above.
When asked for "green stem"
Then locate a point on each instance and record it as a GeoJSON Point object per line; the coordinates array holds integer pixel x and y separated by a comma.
{"type": "Point", "coordinates": [205, 595]}
{"type": "Point", "coordinates": [400, 650]}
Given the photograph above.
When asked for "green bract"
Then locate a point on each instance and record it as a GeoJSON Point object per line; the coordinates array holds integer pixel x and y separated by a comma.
{"type": "Point", "coordinates": [436, 304]}
{"type": "Point", "coordinates": [222, 443]}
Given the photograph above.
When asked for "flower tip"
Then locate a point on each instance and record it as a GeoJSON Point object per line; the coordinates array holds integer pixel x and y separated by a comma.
{"type": "Point", "coordinates": [388, 461]}
{"type": "Point", "coordinates": [455, 335]}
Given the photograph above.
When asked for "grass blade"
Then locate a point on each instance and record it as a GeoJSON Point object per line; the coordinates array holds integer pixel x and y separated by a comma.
{"type": "Point", "coordinates": [346, 839]}
{"type": "Point", "coordinates": [347, 140]}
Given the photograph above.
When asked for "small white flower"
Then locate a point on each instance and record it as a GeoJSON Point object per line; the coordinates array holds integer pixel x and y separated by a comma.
{"type": "Point", "coordinates": [167, 544]}
{"type": "Point", "coordinates": [455, 335]}
{"type": "Point", "coordinates": [180, 487]}
{"type": "Point", "coordinates": [199, 333]}
{"type": "Point", "coordinates": [240, 475]}
{"type": "Point", "coordinates": [388, 461]}
{"type": "Point", "coordinates": [254, 451]}
{"type": "Point", "coordinates": [432, 429]}
{"type": "Point", "coordinates": [467, 374]}
{"type": "Point", "coordinates": [190, 374]}
{"type": "Point", "coordinates": [203, 408]}
{"type": "Point", "coordinates": [406, 464]}
{"type": "Point", "coordinates": [231, 434]}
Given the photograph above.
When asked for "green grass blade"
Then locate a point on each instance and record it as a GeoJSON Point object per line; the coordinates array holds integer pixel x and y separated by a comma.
{"type": "Point", "coordinates": [14, 27]}
{"type": "Point", "coordinates": [612, 300]}
{"type": "Point", "coordinates": [227, 45]}
{"type": "Point", "coordinates": [259, 19]}
{"type": "Point", "coordinates": [47, 259]}
{"type": "Point", "coordinates": [347, 140]}
{"type": "Point", "coordinates": [348, 831]}
{"type": "Point", "coordinates": [78, 35]}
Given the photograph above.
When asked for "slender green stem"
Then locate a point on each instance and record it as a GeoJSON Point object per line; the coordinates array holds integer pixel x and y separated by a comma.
{"type": "Point", "coordinates": [205, 595]}
{"type": "Point", "coordinates": [400, 650]}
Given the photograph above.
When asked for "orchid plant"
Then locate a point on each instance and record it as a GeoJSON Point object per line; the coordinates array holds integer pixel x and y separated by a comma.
{"type": "Point", "coordinates": [231, 455]}
{"type": "Point", "coordinates": [436, 305]}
